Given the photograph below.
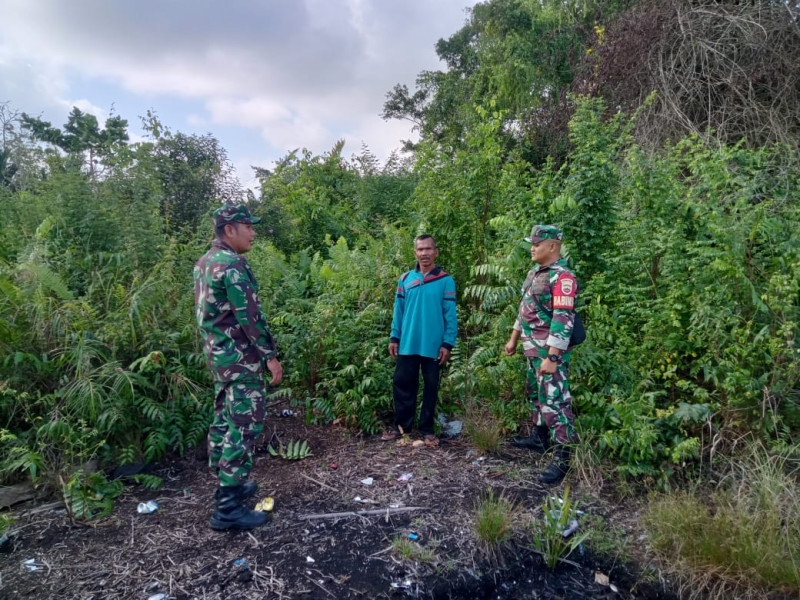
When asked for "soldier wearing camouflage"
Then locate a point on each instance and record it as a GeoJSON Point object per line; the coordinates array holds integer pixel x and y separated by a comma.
{"type": "Point", "coordinates": [544, 324]}
{"type": "Point", "coordinates": [238, 345]}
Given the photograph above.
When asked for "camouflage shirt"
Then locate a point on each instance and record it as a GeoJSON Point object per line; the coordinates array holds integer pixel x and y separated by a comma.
{"type": "Point", "coordinates": [547, 309]}
{"type": "Point", "coordinates": [236, 337]}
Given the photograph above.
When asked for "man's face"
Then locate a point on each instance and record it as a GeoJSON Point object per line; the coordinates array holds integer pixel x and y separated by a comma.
{"type": "Point", "coordinates": [240, 236]}
{"type": "Point", "coordinates": [544, 252]}
{"type": "Point", "coordinates": [426, 253]}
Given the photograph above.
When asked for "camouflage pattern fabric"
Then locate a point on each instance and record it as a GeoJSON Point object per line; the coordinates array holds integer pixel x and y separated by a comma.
{"type": "Point", "coordinates": [550, 399]}
{"type": "Point", "coordinates": [547, 309]}
{"type": "Point", "coordinates": [540, 233]}
{"type": "Point", "coordinates": [546, 318]}
{"type": "Point", "coordinates": [236, 338]}
{"type": "Point", "coordinates": [239, 413]}
{"type": "Point", "coordinates": [237, 344]}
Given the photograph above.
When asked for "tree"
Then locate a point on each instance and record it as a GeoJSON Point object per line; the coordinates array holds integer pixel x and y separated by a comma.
{"type": "Point", "coordinates": [81, 137]}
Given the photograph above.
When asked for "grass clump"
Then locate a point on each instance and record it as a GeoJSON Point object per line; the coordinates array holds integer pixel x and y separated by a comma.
{"type": "Point", "coordinates": [738, 541]}
{"type": "Point", "coordinates": [495, 519]}
{"type": "Point", "coordinates": [549, 537]}
{"type": "Point", "coordinates": [484, 431]}
{"type": "Point", "coordinates": [411, 551]}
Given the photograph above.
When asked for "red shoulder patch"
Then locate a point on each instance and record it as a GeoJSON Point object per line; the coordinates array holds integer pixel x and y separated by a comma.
{"type": "Point", "coordinates": [564, 291]}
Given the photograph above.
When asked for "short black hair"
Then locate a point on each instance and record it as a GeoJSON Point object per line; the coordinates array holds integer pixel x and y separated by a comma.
{"type": "Point", "coordinates": [424, 236]}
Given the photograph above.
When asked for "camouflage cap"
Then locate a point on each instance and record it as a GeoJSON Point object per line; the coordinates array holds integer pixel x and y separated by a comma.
{"type": "Point", "coordinates": [544, 232]}
{"type": "Point", "coordinates": [234, 214]}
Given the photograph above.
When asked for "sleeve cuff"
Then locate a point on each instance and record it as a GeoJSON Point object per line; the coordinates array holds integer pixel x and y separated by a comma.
{"type": "Point", "coordinates": [559, 343]}
{"type": "Point", "coordinates": [394, 340]}
{"type": "Point", "coordinates": [447, 346]}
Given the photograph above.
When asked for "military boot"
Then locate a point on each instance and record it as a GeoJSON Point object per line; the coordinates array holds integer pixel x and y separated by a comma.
{"type": "Point", "coordinates": [558, 467]}
{"type": "Point", "coordinates": [538, 442]}
{"type": "Point", "coordinates": [230, 514]}
{"type": "Point", "coordinates": [247, 490]}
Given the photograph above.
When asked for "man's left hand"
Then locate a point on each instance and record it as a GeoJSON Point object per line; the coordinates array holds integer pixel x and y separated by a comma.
{"type": "Point", "coordinates": [444, 355]}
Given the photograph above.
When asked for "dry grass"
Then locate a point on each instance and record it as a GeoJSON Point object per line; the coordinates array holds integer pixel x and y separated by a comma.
{"type": "Point", "coordinates": [738, 540]}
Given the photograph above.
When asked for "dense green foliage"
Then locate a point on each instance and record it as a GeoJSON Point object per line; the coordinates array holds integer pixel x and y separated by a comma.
{"type": "Point", "coordinates": [687, 254]}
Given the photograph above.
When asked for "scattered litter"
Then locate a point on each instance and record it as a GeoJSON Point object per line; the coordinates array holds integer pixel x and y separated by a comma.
{"type": "Point", "coordinates": [5, 541]}
{"type": "Point", "coordinates": [404, 585]}
{"type": "Point", "coordinates": [146, 508]}
{"type": "Point", "coordinates": [367, 481]}
{"type": "Point", "coordinates": [571, 528]}
{"type": "Point", "coordinates": [614, 588]}
{"type": "Point", "coordinates": [333, 466]}
{"type": "Point", "coordinates": [405, 477]}
{"type": "Point", "coordinates": [453, 429]}
{"type": "Point", "coordinates": [417, 443]}
{"type": "Point", "coordinates": [357, 499]}
{"type": "Point", "coordinates": [471, 453]}
{"type": "Point", "coordinates": [265, 505]}
{"type": "Point", "coordinates": [187, 493]}
{"type": "Point", "coordinates": [158, 597]}
{"type": "Point", "coordinates": [394, 506]}
{"type": "Point", "coordinates": [477, 462]}
{"type": "Point", "coordinates": [241, 562]}
{"type": "Point", "coordinates": [30, 564]}
{"type": "Point", "coordinates": [310, 560]}
{"type": "Point", "coordinates": [413, 536]}
{"type": "Point", "coordinates": [287, 413]}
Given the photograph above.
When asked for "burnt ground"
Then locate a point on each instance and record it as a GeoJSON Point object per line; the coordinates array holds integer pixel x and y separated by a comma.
{"type": "Point", "coordinates": [174, 554]}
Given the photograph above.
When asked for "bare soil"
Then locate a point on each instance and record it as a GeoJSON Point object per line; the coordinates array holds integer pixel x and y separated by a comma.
{"type": "Point", "coordinates": [174, 554]}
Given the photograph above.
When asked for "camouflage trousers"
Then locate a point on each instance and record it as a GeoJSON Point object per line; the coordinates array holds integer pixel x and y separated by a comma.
{"type": "Point", "coordinates": [550, 399]}
{"type": "Point", "coordinates": [239, 413]}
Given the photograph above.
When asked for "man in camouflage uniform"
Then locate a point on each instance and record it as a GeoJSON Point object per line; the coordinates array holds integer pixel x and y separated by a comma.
{"type": "Point", "coordinates": [238, 345]}
{"type": "Point", "coordinates": [545, 321]}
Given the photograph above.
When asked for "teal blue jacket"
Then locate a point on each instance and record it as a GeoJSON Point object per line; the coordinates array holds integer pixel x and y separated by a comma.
{"type": "Point", "coordinates": [425, 313]}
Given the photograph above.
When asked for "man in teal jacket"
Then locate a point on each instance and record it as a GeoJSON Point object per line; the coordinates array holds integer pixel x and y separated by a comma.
{"type": "Point", "coordinates": [424, 329]}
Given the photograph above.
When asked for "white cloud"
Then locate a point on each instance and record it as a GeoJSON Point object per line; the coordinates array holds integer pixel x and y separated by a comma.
{"type": "Point", "coordinates": [302, 73]}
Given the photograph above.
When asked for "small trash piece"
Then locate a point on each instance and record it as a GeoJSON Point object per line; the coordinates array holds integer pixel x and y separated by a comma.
{"type": "Point", "coordinates": [30, 564]}
{"type": "Point", "coordinates": [158, 597]}
{"type": "Point", "coordinates": [146, 508]}
{"type": "Point", "coordinates": [265, 505]}
{"type": "Point", "coordinates": [405, 585]}
{"type": "Point", "coordinates": [367, 481]}
{"type": "Point", "coordinates": [601, 578]}
{"type": "Point", "coordinates": [357, 499]}
{"type": "Point", "coordinates": [453, 429]}
{"type": "Point", "coordinates": [417, 443]}
{"type": "Point", "coordinates": [5, 542]}
{"type": "Point", "coordinates": [405, 477]}
{"type": "Point", "coordinates": [571, 528]}
{"type": "Point", "coordinates": [310, 560]}
{"type": "Point", "coordinates": [413, 536]}
{"type": "Point", "coordinates": [240, 562]}
{"type": "Point", "coordinates": [333, 466]}
{"type": "Point", "coordinates": [287, 413]}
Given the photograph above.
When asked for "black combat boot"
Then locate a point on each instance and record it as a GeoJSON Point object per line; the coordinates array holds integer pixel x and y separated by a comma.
{"type": "Point", "coordinates": [539, 441]}
{"type": "Point", "coordinates": [247, 490]}
{"type": "Point", "coordinates": [230, 514]}
{"type": "Point", "coordinates": [558, 467]}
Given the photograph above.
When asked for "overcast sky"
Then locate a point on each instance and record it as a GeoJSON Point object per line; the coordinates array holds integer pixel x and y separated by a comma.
{"type": "Point", "coordinates": [263, 76]}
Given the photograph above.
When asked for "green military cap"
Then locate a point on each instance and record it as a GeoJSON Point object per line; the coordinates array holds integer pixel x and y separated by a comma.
{"type": "Point", "coordinates": [234, 214]}
{"type": "Point", "coordinates": [544, 232]}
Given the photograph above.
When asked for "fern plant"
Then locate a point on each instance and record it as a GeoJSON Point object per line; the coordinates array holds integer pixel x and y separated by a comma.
{"type": "Point", "coordinates": [294, 450]}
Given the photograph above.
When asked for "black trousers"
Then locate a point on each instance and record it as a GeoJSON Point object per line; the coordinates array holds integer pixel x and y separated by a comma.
{"type": "Point", "coordinates": [406, 385]}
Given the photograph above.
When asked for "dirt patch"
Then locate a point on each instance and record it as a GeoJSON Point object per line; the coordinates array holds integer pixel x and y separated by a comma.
{"type": "Point", "coordinates": [174, 552]}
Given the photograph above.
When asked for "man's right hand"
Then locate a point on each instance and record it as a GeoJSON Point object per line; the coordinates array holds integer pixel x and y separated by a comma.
{"type": "Point", "coordinates": [276, 370]}
{"type": "Point", "coordinates": [393, 349]}
{"type": "Point", "coordinates": [511, 347]}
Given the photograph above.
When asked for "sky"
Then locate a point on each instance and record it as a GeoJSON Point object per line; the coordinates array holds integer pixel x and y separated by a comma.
{"type": "Point", "coordinates": [264, 77]}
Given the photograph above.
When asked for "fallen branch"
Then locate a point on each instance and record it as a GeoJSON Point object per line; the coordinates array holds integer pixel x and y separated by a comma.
{"type": "Point", "coordinates": [361, 513]}
{"type": "Point", "coordinates": [325, 485]}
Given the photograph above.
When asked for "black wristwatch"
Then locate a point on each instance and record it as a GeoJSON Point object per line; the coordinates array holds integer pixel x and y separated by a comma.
{"type": "Point", "coordinates": [554, 358]}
